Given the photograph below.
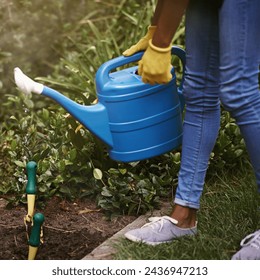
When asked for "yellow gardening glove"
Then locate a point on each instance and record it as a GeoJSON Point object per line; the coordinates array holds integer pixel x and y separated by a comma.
{"type": "Point", "coordinates": [155, 65]}
{"type": "Point", "coordinates": [142, 44]}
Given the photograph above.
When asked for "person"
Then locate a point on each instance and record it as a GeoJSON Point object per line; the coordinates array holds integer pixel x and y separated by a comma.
{"type": "Point", "coordinates": [222, 66]}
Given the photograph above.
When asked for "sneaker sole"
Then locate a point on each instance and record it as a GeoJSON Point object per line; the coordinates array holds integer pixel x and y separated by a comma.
{"type": "Point", "coordinates": [138, 240]}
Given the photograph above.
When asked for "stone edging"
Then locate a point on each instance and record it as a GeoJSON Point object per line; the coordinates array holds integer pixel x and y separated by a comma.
{"type": "Point", "coordinates": [106, 250]}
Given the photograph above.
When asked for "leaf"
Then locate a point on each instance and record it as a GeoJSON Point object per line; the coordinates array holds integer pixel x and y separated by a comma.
{"type": "Point", "coordinates": [97, 173]}
{"type": "Point", "coordinates": [86, 211]}
{"type": "Point", "coordinates": [19, 163]}
{"type": "Point", "coordinates": [45, 114]}
{"type": "Point", "coordinates": [239, 152]}
{"type": "Point", "coordinates": [134, 163]}
{"type": "Point", "coordinates": [73, 154]}
{"type": "Point", "coordinates": [13, 144]}
{"type": "Point", "coordinates": [65, 190]}
{"type": "Point", "coordinates": [29, 103]}
{"type": "Point", "coordinates": [123, 171]}
{"type": "Point", "coordinates": [105, 192]}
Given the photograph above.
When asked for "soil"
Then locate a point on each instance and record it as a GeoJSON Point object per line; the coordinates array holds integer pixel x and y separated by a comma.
{"type": "Point", "coordinates": [71, 230]}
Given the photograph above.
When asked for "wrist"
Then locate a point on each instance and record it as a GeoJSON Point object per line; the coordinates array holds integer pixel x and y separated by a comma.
{"type": "Point", "coordinates": [159, 49]}
{"type": "Point", "coordinates": [151, 30]}
{"type": "Point", "coordinates": [161, 41]}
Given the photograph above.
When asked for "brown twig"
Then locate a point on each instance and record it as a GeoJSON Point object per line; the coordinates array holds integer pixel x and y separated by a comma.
{"type": "Point", "coordinates": [10, 226]}
{"type": "Point", "coordinates": [60, 229]}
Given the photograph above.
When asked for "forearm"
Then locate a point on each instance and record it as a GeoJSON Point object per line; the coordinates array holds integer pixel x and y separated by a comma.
{"type": "Point", "coordinates": [157, 12]}
{"type": "Point", "coordinates": [168, 16]}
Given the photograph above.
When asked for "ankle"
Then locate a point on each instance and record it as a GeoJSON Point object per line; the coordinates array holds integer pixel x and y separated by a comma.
{"type": "Point", "coordinates": [185, 216]}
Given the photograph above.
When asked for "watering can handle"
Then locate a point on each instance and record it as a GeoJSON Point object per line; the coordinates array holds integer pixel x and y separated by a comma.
{"type": "Point", "coordinates": [182, 56]}
{"type": "Point", "coordinates": [103, 72]}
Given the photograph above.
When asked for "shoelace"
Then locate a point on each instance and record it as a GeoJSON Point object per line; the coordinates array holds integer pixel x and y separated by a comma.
{"type": "Point", "coordinates": [155, 220]}
{"type": "Point", "coordinates": [252, 239]}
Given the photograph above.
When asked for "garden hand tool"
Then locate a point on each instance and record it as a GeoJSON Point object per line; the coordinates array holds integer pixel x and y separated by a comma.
{"type": "Point", "coordinates": [35, 236]}
{"type": "Point", "coordinates": [155, 65]}
{"type": "Point", "coordinates": [30, 190]}
{"type": "Point", "coordinates": [132, 118]}
{"type": "Point", "coordinates": [142, 44]}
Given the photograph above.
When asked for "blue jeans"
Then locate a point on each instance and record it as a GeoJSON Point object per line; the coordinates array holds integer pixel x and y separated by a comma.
{"type": "Point", "coordinates": [223, 55]}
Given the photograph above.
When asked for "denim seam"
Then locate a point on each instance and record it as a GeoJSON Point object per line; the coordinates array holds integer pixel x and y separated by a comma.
{"type": "Point", "coordinates": [201, 127]}
{"type": "Point", "coordinates": [243, 42]}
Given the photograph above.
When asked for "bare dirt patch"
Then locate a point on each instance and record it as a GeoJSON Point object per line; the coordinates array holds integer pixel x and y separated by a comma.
{"type": "Point", "coordinates": [71, 230]}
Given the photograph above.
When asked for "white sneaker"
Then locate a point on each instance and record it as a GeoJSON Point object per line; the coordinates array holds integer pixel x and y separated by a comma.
{"type": "Point", "coordinates": [250, 247]}
{"type": "Point", "coordinates": [159, 230]}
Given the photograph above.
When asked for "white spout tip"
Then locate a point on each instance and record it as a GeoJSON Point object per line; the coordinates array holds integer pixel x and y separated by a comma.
{"type": "Point", "coordinates": [25, 84]}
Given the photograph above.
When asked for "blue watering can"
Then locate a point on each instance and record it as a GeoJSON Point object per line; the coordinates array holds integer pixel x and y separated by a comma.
{"type": "Point", "coordinates": [135, 120]}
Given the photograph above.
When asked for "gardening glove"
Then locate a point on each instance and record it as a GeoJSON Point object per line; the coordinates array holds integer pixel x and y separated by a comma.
{"type": "Point", "coordinates": [142, 44]}
{"type": "Point", "coordinates": [155, 65]}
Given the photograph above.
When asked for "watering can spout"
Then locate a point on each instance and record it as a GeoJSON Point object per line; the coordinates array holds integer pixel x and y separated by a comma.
{"type": "Point", "coordinates": [94, 117]}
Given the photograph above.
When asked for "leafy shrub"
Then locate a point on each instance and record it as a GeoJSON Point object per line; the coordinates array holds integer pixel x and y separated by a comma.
{"type": "Point", "coordinates": [133, 188]}
{"type": "Point", "coordinates": [49, 138]}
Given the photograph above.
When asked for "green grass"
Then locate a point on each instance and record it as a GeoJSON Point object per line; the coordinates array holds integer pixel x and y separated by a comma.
{"type": "Point", "coordinates": [229, 211]}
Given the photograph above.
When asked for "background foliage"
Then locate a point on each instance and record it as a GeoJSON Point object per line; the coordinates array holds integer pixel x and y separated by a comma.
{"type": "Point", "coordinates": [65, 42]}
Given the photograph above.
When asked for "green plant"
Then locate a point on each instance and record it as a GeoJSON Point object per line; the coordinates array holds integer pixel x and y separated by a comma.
{"type": "Point", "coordinates": [48, 138]}
{"type": "Point", "coordinates": [229, 212]}
{"type": "Point", "coordinates": [136, 187]}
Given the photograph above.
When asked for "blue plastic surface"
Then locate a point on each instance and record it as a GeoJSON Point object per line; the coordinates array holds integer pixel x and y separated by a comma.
{"type": "Point", "coordinates": [137, 121]}
{"type": "Point", "coordinates": [144, 120]}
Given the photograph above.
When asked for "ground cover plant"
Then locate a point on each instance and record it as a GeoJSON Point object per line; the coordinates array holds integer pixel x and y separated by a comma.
{"type": "Point", "coordinates": [229, 211]}
{"type": "Point", "coordinates": [72, 164]}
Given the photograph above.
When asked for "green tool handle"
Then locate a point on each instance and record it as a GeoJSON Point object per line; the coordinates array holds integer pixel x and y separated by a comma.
{"type": "Point", "coordinates": [31, 168]}
{"type": "Point", "coordinates": [34, 239]}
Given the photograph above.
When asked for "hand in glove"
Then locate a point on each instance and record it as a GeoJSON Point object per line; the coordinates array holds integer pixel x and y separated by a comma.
{"type": "Point", "coordinates": [142, 44]}
{"type": "Point", "coordinates": [155, 65]}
